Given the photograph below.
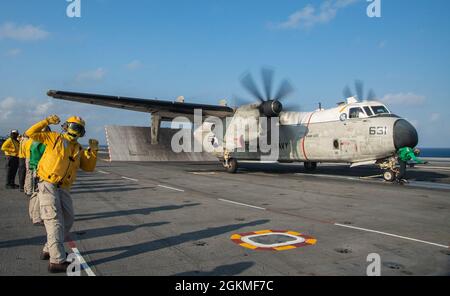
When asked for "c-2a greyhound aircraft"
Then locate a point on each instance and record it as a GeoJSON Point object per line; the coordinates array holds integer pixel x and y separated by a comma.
{"type": "Point", "coordinates": [355, 132]}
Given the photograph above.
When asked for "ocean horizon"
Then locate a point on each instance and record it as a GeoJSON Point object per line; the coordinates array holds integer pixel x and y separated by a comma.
{"type": "Point", "coordinates": [435, 152]}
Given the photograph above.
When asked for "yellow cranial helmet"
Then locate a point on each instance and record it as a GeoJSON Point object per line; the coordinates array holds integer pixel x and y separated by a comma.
{"type": "Point", "coordinates": [75, 127]}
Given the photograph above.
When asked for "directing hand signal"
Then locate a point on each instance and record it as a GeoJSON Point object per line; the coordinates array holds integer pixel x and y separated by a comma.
{"type": "Point", "coordinates": [53, 119]}
{"type": "Point", "coordinates": [93, 144]}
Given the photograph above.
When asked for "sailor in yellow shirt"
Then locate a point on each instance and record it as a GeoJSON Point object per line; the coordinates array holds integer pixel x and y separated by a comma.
{"type": "Point", "coordinates": [29, 173]}
{"type": "Point", "coordinates": [57, 170]}
{"type": "Point", "coordinates": [11, 149]}
{"type": "Point", "coordinates": [22, 161]}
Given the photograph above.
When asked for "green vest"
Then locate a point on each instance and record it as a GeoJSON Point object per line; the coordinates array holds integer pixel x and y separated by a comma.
{"type": "Point", "coordinates": [406, 154]}
{"type": "Point", "coordinates": [37, 149]}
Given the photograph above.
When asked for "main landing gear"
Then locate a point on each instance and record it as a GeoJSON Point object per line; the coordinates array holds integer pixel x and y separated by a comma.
{"type": "Point", "coordinates": [229, 163]}
{"type": "Point", "coordinates": [310, 166]}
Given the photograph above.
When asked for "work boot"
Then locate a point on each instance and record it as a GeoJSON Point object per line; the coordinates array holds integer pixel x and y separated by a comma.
{"type": "Point", "coordinates": [45, 256]}
{"type": "Point", "coordinates": [402, 182]}
{"type": "Point", "coordinates": [38, 223]}
{"type": "Point", "coordinates": [58, 267]}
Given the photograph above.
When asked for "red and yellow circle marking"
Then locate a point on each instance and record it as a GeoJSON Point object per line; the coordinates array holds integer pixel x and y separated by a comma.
{"type": "Point", "coordinates": [301, 240]}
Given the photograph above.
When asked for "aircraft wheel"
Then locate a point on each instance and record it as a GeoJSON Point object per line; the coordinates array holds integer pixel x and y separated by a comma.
{"type": "Point", "coordinates": [389, 176]}
{"type": "Point", "coordinates": [232, 165]}
{"type": "Point", "coordinates": [310, 166]}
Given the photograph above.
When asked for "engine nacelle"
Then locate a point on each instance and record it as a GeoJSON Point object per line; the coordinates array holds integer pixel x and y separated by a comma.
{"type": "Point", "coordinates": [271, 108]}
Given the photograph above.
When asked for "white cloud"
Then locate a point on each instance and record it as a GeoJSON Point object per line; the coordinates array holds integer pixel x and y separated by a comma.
{"type": "Point", "coordinates": [309, 16]}
{"type": "Point", "coordinates": [22, 33]}
{"type": "Point", "coordinates": [13, 52]}
{"type": "Point", "coordinates": [43, 110]}
{"type": "Point", "coordinates": [435, 117]}
{"type": "Point", "coordinates": [134, 65]}
{"type": "Point", "coordinates": [23, 110]}
{"type": "Point", "coordinates": [94, 75]}
{"type": "Point", "coordinates": [403, 98]}
{"type": "Point", "coordinates": [18, 113]}
{"type": "Point", "coordinates": [6, 107]}
{"type": "Point", "coordinates": [7, 104]}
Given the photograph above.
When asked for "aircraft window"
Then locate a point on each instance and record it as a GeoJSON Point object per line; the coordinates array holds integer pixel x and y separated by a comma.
{"type": "Point", "coordinates": [354, 112]}
{"type": "Point", "coordinates": [368, 111]}
{"type": "Point", "coordinates": [379, 110]}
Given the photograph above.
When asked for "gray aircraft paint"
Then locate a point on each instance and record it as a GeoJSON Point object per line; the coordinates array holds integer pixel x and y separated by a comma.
{"type": "Point", "coordinates": [321, 136]}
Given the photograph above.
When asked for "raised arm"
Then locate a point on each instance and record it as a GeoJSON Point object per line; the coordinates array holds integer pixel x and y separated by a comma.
{"type": "Point", "coordinates": [36, 131]}
{"type": "Point", "coordinates": [89, 157]}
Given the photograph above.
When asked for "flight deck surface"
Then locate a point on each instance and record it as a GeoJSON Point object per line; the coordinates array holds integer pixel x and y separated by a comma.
{"type": "Point", "coordinates": [179, 219]}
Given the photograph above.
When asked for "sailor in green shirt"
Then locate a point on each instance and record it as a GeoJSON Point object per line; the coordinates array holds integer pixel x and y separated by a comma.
{"type": "Point", "coordinates": [36, 151]}
{"type": "Point", "coordinates": [406, 154]}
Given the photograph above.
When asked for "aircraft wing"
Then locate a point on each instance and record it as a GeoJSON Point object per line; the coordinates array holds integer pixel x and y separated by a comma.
{"type": "Point", "coordinates": [166, 108]}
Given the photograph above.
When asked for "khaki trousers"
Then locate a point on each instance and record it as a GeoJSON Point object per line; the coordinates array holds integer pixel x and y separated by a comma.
{"type": "Point", "coordinates": [28, 179]}
{"type": "Point", "coordinates": [34, 208]}
{"type": "Point", "coordinates": [57, 212]}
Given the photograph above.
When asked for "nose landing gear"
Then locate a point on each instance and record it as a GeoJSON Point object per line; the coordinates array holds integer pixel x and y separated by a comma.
{"type": "Point", "coordinates": [389, 176]}
{"type": "Point", "coordinates": [389, 166]}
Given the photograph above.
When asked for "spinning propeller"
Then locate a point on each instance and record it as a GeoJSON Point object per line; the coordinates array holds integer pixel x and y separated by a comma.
{"type": "Point", "coordinates": [359, 87]}
{"type": "Point", "coordinates": [269, 105]}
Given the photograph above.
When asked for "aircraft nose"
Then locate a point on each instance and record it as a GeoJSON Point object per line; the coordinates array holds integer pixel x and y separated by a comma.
{"type": "Point", "coordinates": [405, 135]}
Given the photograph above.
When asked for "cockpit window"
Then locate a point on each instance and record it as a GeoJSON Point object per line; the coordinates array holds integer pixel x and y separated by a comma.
{"type": "Point", "coordinates": [354, 112]}
{"type": "Point", "coordinates": [368, 111]}
{"type": "Point", "coordinates": [380, 110]}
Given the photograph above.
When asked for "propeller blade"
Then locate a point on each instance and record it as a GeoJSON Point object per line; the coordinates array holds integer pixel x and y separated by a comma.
{"type": "Point", "coordinates": [291, 106]}
{"type": "Point", "coordinates": [359, 87]}
{"type": "Point", "coordinates": [267, 77]}
{"type": "Point", "coordinates": [239, 101]}
{"type": "Point", "coordinates": [284, 90]}
{"type": "Point", "coordinates": [371, 95]}
{"type": "Point", "coordinates": [249, 84]}
{"type": "Point", "coordinates": [347, 92]}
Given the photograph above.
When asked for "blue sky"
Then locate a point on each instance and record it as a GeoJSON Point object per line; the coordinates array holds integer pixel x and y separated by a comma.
{"type": "Point", "coordinates": [200, 49]}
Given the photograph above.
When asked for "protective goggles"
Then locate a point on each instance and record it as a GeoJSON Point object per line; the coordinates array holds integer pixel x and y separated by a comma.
{"type": "Point", "coordinates": [75, 129]}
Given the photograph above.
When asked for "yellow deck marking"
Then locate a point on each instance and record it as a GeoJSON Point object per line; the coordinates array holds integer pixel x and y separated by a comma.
{"type": "Point", "coordinates": [248, 246]}
{"type": "Point", "coordinates": [263, 231]}
{"type": "Point", "coordinates": [294, 233]}
{"type": "Point", "coordinates": [284, 248]}
{"type": "Point", "coordinates": [311, 241]}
